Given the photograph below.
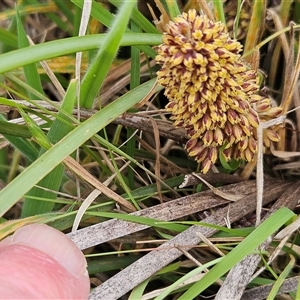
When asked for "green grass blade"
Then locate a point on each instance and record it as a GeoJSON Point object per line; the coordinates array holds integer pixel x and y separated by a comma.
{"type": "Point", "coordinates": [173, 8]}
{"type": "Point", "coordinates": [64, 8]}
{"type": "Point", "coordinates": [14, 129]}
{"type": "Point", "coordinates": [50, 159]}
{"type": "Point", "coordinates": [140, 220]}
{"type": "Point", "coordinates": [31, 73]}
{"type": "Point", "coordinates": [95, 75]}
{"type": "Point", "coordinates": [138, 18]}
{"type": "Point", "coordinates": [255, 27]}
{"type": "Point", "coordinates": [7, 38]}
{"type": "Point", "coordinates": [37, 133]}
{"type": "Point", "coordinates": [282, 277]}
{"type": "Point", "coordinates": [25, 56]}
{"type": "Point", "coordinates": [52, 181]}
{"type": "Point", "coordinates": [219, 11]}
{"type": "Point", "coordinates": [185, 277]}
{"type": "Point", "coordinates": [138, 291]}
{"type": "Point", "coordinates": [21, 144]}
{"type": "Point", "coordinates": [134, 82]}
{"type": "Point", "coordinates": [246, 247]}
{"type": "Point", "coordinates": [237, 19]}
{"type": "Point", "coordinates": [298, 291]}
{"type": "Point", "coordinates": [106, 18]}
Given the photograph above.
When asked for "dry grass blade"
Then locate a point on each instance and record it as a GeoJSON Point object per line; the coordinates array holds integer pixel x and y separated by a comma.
{"type": "Point", "coordinates": [79, 171]}
{"type": "Point", "coordinates": [255, 28]}
{"type": "Point", "coordinates": [191, 179]}
{"type": "Point", "coordinates": [235, 283]}
{"type": "Point", "coordinates": [271, 14]}
{"type": "Point", "coordinates": [50, 73]}
{"type": "Point", "coordinates": [239, 276]}
{"type": "Point", "coordinates": [164, 19]}
{"type": "Point", "coordinates": [157, 157]}
{"type": "Point", "coordinates": [284, 154]}
{"type": "Point", "coordinates": [223, 195]}
{"type": "Point", "coordinates": [91, 197]}
{"type": "Point", "coordinates": [137, 121]}
{"type": "Point", "coordinates": [287, 166]}
{"type": "Point", "coordinates": [133, 275]}
{"type": "Point", "coordinates": [181, 207]}
{"type": "Point", "coordinates": [290, 88]}
{"type": "Point", "coordinates": [260, 170]}
{"type": "Point", "coordinates": [206, 9]}
{"type": "Point", "coordinates": [289, 229]}
{"type": "Point", "coordinates": [289, 285]}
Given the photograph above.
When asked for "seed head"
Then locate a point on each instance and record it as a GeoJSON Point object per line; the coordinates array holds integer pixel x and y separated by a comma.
{"type": "Point", "coordinates": [212, 91]}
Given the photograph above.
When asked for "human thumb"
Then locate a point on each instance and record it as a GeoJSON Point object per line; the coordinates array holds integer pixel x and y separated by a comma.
{"type": "Point", "coordinates": [40, 262]}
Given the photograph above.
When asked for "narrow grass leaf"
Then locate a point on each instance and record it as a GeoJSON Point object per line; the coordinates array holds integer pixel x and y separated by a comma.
{"type": "Point", "coordinates": [106, 18]}
{"type": "Point", "coordinates": [134, 82]}
{"type": "Point", "coordinates": [255, 25]}
{"type": "Point", "coordinates": [21, 144]}
{"type": "Point", "coordinates": [219, 11]}
{"type": "Point", "coordinates": [111, 263]}
{"type": "Point", "coordinates": [138, 18]}
{"type": "Point", "coordinates": [11, 226]}
{"type": "Point", "coordinates": [138, 291]}
{"type": "Point", "coordinates": [14, 129]}
{"type": "Point", "coordinates": [52, 181]}
{"type": "Point", "coordinates": [37, 133]}
{"type": "Point", "coordinates": [140, 220]}
{"type": "Point", "coordinates": [7, 38]}
{"type": "Point", "coordinates": [95, 75]}
{"type": "Point", "coordinates": [280, 280]}
{"type": "Point", "coordinates": [11, 194]}
{"type": "Point", "coordinates": [21, 57]}
{"type": "Point", "coordinates": [173, 8]}
{"type": "Point", "coordinates": [28, 9]}
{"type": "Point", "coordinates": [298, 291]}
{"type": "Point", "coordinates": [187, 276]}
{"type": "Point", "coordinates": [247, 246]}
{"type": "Point", "coordinates": [31, 73]}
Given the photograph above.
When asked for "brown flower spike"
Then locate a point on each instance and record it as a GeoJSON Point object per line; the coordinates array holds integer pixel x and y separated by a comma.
{"type": "Point", "coordinates": [212, 92]}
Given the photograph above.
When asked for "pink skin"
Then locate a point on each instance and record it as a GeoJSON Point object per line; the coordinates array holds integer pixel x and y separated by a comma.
{"type": "Point", "coordinates": [40, 262]}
